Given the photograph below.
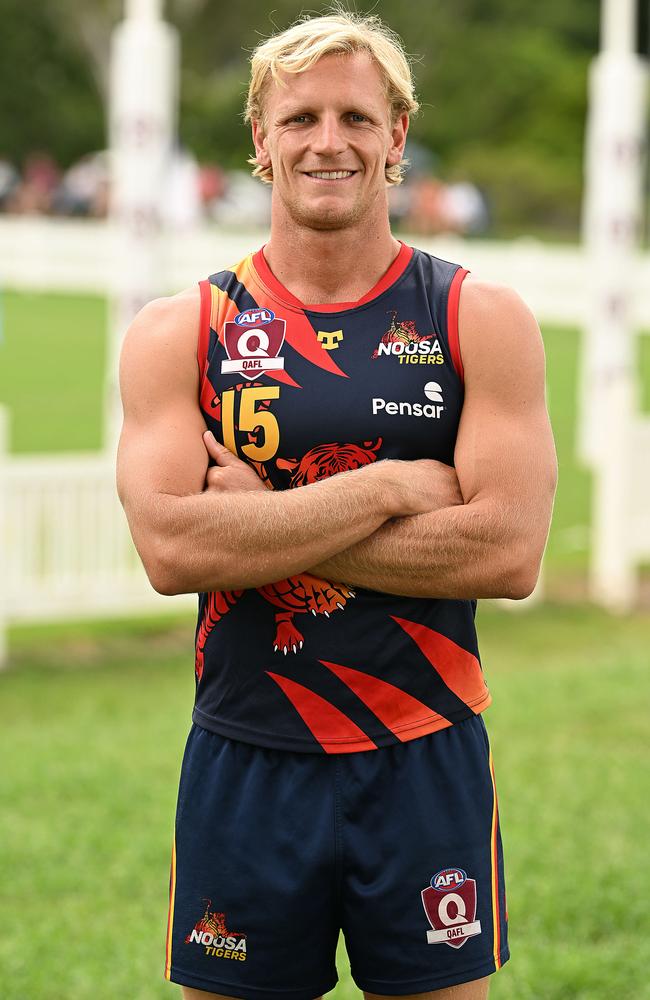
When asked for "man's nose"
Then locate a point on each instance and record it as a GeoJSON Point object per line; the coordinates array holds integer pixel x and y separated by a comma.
{"type": "Point", "coordinates": [328, 138]}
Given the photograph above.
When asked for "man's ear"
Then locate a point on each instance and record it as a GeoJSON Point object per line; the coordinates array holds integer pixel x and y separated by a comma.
{"type": "Point", "coordinates": [398, 136]}
{"type": "Point", "coordinates": [260, 143]}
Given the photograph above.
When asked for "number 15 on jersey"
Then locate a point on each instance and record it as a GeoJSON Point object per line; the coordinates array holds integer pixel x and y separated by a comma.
{"type": "Point", "coordinates": [251, 419]}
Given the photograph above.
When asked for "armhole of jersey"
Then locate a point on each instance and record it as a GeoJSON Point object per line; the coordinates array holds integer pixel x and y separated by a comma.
{"type": "Point", "coordinates": [204, 326]}
{"type": "Point", "coordinates": [453, 303]}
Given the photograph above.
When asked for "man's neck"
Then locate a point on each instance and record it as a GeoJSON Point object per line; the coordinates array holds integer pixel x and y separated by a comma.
{"type": "Point", "coordinates": [326, 266]}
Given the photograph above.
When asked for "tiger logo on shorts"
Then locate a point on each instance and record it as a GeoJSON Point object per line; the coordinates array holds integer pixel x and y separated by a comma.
{"type": "Point", "coordinates": [213, 923]}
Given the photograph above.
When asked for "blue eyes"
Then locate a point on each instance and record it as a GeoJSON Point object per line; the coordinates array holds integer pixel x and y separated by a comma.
{"type": "Point", "coordinates": [355, 116]}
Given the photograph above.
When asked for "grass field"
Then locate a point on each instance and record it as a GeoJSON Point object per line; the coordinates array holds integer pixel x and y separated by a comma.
{"type": "Point", "coordinates": [93, 719]}
{"type": "Point", "coordinates": [51, 367]}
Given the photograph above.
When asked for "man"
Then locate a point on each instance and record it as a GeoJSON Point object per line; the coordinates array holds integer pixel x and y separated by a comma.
{"type": "Point", "coordinates": [377, 456]}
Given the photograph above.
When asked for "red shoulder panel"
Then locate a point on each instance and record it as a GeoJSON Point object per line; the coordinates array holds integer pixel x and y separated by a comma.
{"type": "Point", "coordinates": [453, 302]}
{"type": "Point", "coordinates": [204, 325]}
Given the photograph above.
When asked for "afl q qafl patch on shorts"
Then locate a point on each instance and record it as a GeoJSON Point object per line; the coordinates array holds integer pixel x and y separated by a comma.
{"type": "Point", "coordinates": [276, 852]}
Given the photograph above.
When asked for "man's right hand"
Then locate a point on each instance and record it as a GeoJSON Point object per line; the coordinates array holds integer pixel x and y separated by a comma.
{"type": "Point", "coordinates": [230, 474]}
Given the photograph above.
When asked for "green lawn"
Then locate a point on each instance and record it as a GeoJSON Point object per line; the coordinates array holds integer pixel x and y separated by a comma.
{"type": "Point", "coordinates": [51, 365]}
{"type": "Point", "coordinates": [93, 719]}
{"type": "Point", "coordinates": [92, 724]}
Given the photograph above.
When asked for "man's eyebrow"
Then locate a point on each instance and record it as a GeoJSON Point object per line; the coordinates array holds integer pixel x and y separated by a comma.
{"type": "Point", "coordinates": [296, 108]}
{"type": "Point", "coordinates": [291, 111]}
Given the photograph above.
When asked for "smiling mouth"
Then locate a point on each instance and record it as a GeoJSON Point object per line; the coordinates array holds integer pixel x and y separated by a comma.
{"type": "Point", "coordinates": [330, 175]}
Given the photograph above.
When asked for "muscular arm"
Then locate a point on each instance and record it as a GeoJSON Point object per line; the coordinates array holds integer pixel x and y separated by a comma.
{"type": "Point", "coordinates": [233, 538]}
{"type": "Point", "coordinates": [492, 545]}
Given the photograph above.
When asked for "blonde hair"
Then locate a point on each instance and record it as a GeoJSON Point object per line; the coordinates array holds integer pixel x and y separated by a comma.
{"type": "Point", "coordinates": [311, 38]}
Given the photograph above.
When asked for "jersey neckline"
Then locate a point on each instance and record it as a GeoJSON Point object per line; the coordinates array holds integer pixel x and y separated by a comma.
{"type": "Point", "coordinates": [389, 277]}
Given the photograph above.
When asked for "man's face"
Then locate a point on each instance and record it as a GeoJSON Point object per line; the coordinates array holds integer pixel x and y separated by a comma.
{"type": "Point", "coordinates": [334, 120]}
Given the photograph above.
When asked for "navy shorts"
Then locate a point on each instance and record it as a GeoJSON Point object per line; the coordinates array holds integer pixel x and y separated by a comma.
{"type": "Point", "coordinates": [276, 852]}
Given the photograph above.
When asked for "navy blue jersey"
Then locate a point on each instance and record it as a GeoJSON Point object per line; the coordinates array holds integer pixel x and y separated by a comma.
{"type": "Point", "coordinates": [301, 393]}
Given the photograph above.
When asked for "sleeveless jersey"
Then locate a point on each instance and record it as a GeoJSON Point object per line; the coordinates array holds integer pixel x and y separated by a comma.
{"type": "Point", "coordinates": [301, 393]}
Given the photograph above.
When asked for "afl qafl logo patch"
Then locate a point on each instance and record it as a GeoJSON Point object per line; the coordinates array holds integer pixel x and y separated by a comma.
{"type": "Point", "coordinates": [253, 343]}
{"type": "Point", "coordinates": [450, 905]}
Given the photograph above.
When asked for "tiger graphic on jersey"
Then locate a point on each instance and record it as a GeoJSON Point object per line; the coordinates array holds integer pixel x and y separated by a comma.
{"type": "Point", "coordinates": [302, 593]}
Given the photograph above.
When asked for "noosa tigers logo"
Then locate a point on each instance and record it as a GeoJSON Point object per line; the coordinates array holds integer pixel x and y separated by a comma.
{"type": "Point", "coordinates": [212, 934]}
{"type": "Point", "coordinates": [403, 341]}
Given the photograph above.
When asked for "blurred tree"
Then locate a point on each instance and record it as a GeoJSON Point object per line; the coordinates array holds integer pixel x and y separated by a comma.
{"type": "Point", "coordinates": [88, 27]}
{"type": "Point", "coordinates": [215, 70]}
{"type": "Point", "coordinates": [502, 84]}
{"type": "Point", "coordinates": [48, 100]}
{"type": "Point", "coordinates": [508, 92]}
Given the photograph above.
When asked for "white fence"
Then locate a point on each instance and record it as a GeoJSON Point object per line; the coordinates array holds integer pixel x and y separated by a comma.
{"type": "Point", "coordinates": [65, 544]}
{"type": "Point", "coordinates": [78, 256]}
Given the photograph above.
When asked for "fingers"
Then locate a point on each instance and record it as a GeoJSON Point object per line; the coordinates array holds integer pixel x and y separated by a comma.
{"type": "Point", "coordinates": [213, 479]}
{"type": "Point", "coordinates": [217, 451]}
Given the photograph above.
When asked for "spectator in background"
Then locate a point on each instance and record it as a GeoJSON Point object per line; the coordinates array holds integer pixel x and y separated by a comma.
{"type": "Point", "coordinates": [212, 184]}
{"type": "Point", "coordinates": [84, 187]}
{"type": "Point", "coordinates": [243, 202]}
{"type": "Point", "coordinates": [465, 208]}
{"type": "Point", "coordinates": [427, 205]}
{"type": "Point", "coordinates": [35, 192]}
{"type": "Point", "coordinates": [9, 180]}
{"type": "Point", "coordinates": [423, 204]}
{"type": "Point", "coordinates": [182, 208]}
{"type": "Point", "coordinates": [426, 213]}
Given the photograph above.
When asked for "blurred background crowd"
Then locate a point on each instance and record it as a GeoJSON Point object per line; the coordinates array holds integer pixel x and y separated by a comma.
{"type": "Point", "coordinates": [206, 191]}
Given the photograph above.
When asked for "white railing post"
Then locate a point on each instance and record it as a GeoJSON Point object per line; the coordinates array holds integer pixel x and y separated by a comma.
{"type": "Point", "coordinates": [143, 119]}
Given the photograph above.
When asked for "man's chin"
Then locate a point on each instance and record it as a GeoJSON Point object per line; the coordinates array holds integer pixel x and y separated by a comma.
{"type": "Point", "coordinates": [325, 217]}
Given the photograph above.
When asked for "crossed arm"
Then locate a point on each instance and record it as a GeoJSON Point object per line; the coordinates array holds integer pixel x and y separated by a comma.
{"type": "Point", "coordinates": [401, 527]}
{"type": "Point", "coordinates": [491, 545]}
